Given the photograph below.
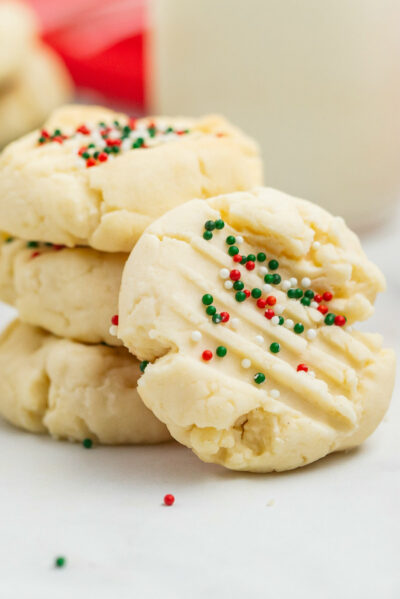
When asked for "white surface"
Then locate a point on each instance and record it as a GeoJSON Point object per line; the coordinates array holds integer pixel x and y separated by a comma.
{"type": "Point", "coordinates": [332, 533]}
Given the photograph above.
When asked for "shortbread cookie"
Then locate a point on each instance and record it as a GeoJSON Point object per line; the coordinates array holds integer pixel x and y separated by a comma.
{"type": "Point", "coordinates": [72, 391]}
{"type": "Point", "coordinates": [94, 177]}
{"type": "Point", "coordinates": [71, 292]}
{"type": "Point", "coordinates": [17, 31]}
{"type": "Point", "coordinates": [39, 86]}
{"type": "Point", "coordinates": [242, 304]}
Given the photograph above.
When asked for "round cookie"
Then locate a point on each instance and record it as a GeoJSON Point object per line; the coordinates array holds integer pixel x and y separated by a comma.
{"type": "Point", "coordinates": [71, 390]}
{"type": "Point", "coordinates": [94, 177]}
{"type": "Point", "coordinates": [239, 303]}
{"type": "Point", "coordinates": [71, 292]}
{"type": "Point", "coordinates": [17, 31]}
{"type": "Point", "coordinates": [23, 103]}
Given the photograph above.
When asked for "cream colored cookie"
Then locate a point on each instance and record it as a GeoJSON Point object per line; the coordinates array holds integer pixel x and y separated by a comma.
{"type": "Point", "coordinates": [40, 85]}
{"type": "Point", "coordinates": [17, 31]}
{"type": "Point", "coordinates": [280, 383]}
{"type": "Point", "coordinates": [48, 192]}
{"type": "Point", "coordinates": [71, 292]}
{"type": "Point", "coordinates": [72, 391]}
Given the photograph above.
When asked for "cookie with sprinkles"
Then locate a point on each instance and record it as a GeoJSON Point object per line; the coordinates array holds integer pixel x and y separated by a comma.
{"type": "Point", "coordinates": [94, 177]}
{"type": "Point", "coordinates": [73, 391]}
{"type": "Point", "coordinates": [245, 365]}
{"type": "Point", "coordinates": [71, 292]}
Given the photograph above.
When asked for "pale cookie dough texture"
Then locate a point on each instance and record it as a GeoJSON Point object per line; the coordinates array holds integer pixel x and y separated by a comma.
{"type": "Point", "coordinates": [56, 191]}
{"type": "Point", "coordinates": [290, 388]}
{"type": "Point", "coordinates": [17, 31]}
{"type": "Point", "coordinates": [40, 85]}
{"type": "Point", "coordinates": [72, 391]}
{"type": "Point", "coordinates": [71, 292]}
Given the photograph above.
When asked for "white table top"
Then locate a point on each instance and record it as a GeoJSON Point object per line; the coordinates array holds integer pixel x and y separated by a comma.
{"type": "Point", "coordinates": [332, 531]}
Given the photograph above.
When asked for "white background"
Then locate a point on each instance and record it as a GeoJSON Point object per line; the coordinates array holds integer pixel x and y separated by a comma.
{"type": "Point", "coordinates": [333, 531]}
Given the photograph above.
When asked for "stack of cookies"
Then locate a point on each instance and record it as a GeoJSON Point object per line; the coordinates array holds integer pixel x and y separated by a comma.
{"type": "Point", "coordinates": [75, 198]}
{"type": "Point", "coordinates": [33, 80]}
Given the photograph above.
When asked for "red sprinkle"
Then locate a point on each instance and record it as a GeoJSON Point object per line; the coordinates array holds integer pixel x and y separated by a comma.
{"type": "Point", "coordinates": [224, 316]}
{"type": "Point", "coordinates": [44, 133]}
{"type": "Point", "coordinates": [302, 367]}
{"type": "Point", "coordinates": [237, 258]}
{"type": "Point", "coordinates": [169, 499]}
{"type": "Point", "coordinates": [327, 296]}
{"type": "Point", "coordinates": [250, 265]}
{"type": "Point", "coordinates": [58, 139]}
{"type": "Point", "coordinates": [340, 320]}
{"type": "Point", "coordinates": [180, 132]}
{"type": "Point", "coordinates": [82, 150]}
{"type": "Point", "coordinates": [115, 319]}
{"type": "Point", "coordinates": [207, 355]}
{"type": "Point", "coordinates": [35, 254]}
{"type": "Point", "coordinates": [102, 157]}
{"type": "Point", "coordinates": [269, 314]}
{"type": "Point", "coordinates": [83, 129]}
{"type": "Point", "coordinates": [235, 275]}
{"type": "Point", "coordinates": [271, 300]}
{"type": "Point", "coordinates": [220, 135]}
{"type": "Point", "coordinates": [317, 298]}
{"type": "Point", "coordinates": [323, 309]}
{"type": "Point", "coordinates": [262, 302]}
{"type": "Point", "coordinates": [246, 292]}
{"type": "Point", "coordinates": [113, 142]}
{"type": "Point", "coordinates": [58, 247]}
{"type": "Point", "coordinates": [90, 162]}
{"type": "Point", "coordinates": [132, 123]}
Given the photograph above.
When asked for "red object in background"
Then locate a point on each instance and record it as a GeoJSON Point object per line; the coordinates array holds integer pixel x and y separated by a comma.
{"type": "Point", "coordinates": [102, 43]}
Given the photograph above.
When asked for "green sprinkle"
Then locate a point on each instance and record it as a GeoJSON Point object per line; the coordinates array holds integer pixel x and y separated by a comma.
{"type": "Point", "coordinates": [274, 348]}
{"type": "Point", "coordinates": [256, 292]}
{"type": "Point", "coordinates": [96, 155]}
{"type": "Point", "coordinates": [240, 296]}
{"type": "Point", "coordinates": [298, 328]}
{"type": "Point", "coordinates": [91, 146]}
{"type": "Point", "coordinates": [329, 318]}
{"type": "Point", "coordinates": [85, 155]}
{"type": "Point", "coordinates": [299, 293]}
{"type": "Point", "coordinates": [60, 562]}
{"type": "Point", "coordinates": [305, 301]}
{"type": "Point", "coordinates": [243, 260]}
{"type": "Point", "coordinates": [211, 310]}
{"type": "Point", "coordinates": [230, 240]}
{"type": "Point", "coordinates": [207, 235]}
{"type": "Point", "coordinates": [261, 257]}
{"type": "Point", "coordinates": [42, 140]}
{"type": "Point", "coordinates": [219, 224]}
{"type": "Point", "coordinates": [207, 299]}
{"type": "Point", "coordinates": [32, 244]}
{"type": "Point", "coordinates": [309, 293]}
{"type": "Point", "coordinates": [152, 131]}
{"type": "Point", "coordinates": [269, 279]}
{"type": "Point", "coordinates": [221, 351]}
{"type": "Point", "coordinates": [281, 320]}
{"type": "Point", "coordinates": [273, 264]}
{"type": "Point", "coordinates": [233, 250]}
{"type": "Point", "coordinates": [87, 443]}
{"type": "Point", "coordinates": [137, 143]}
{"type": "Point", "coordinates": [259, 378]}
{"type": "Point", "coordinates": [116, 123]}
{"type": "Point", "coordinates": [291, 293]}
{"type": "Point", "coordinates": [216, 318]}
{"type": "Point", "coordinates": [115, 149]}
{"type": "Point", "coordinates": [57, 132]}
{"type": "Point", "coordinates": [108, 150]}
{"type": "Point", "coordinates": [238, 285]}
{"type": "Point", "coordinates": [251, 258]}
{"type": "Point", "coordinates": [277, 279]}
{"type": "Point", "coordinates": [143, 365]}
{"type": "Point", "coordinates": [209, 225]}
{"type": "Point", "coordinates": [9, 239]}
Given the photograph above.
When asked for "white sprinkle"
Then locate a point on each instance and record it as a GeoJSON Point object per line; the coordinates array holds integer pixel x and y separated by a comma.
{"type": "Point", "coordinates": [224, 273]}
{"type": "Point", "coordinates": [80, 163]}
{"type": "Point", "coordinates": [305, 282]}
{"type": "Point", "coordinates": [286, 285]}
{"type": "Point", "coordinates": [267, 288]}
{"type": "Point", "coordinates": [278, 309]}
{"type": "Point", "coordinates": [259, 339]}
{"type": "Point", "coordinates": [311, 374]}
{"type": "Point", "coordinates": [274, 393]}
{"type": "Point", "coordinates": [234, 323]}
{"type": "Point", "coordinates": [263, 270]}
{"type": "Point", "coordinates": [113, 330]}
{"type": "Point", "coordinates": [311, 334]}
{"type": "Point", "coordinates": [126, 145]}
{"type": "Point", "coordinates": [196, 336]}
{"type": "Point", "coordinates": [289, 323]}
{"type": "Point", "coordinates": [314, 305]}
{"type": "Point", "coordinates": [239, 239]}
{"type": "Point", "coordinates": [246, 363]}
{"type": "Point", "coordinates": [293, 282]}
{"type": "Point", "coordinates": [316, 245]}
{"type": "Point", "coordinates": [275, 320]}
{"type": "Point", "coordinates": [152, 333]}
{"type": "Point", "coordinates": [349, 329]}
{"type": "Point", "coordinates": [228, 284]}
